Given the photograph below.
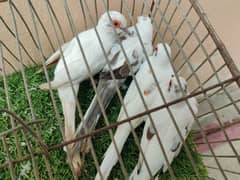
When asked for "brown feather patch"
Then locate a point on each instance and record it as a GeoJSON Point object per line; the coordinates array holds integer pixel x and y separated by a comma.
{"type": "Point", "coordinates": [149, 134]}
{"type": "Point", "coordinates": [146, 92]}
{"type": "Point", "coordinates": [176, 148]}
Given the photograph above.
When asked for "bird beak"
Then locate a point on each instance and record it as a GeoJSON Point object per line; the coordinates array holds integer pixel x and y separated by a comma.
{"type": "Point", "coordinates": [125, 30]}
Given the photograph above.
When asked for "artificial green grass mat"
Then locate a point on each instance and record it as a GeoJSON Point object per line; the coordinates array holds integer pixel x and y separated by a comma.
{"type": "Point", "coordinates": [43, 109]}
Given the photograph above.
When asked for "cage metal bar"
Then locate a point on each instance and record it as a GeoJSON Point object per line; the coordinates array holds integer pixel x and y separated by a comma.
{"type": "Point", "coordinates": [51, 93]}
{"type": "Point", "coordinates": [236, 79]}
{"type": "Point", "coordinates": [142, 9]}
{"type": "Point", "coordinates": [66, 8]}
{"type": "Point", "coordinates": [6, 47]}
{"type": "Point", "coordinates": [12, 121]}
{"type": "Point", "coordinates": [43, 28]}
{"type": "Point", "coordinates": [41, 143]}
{"type": "Point", "coordinates": [192, 53]}
{"type": "Point", "coordinates": [188, 37]}
{"type": "Point", "coordinates": [182, 22]}
{"type": "Point", "coordinates": [121, 100]}
{"type": "Point", "coordinates": [171, 18]}
{"type": "Point", "coordinates": [220, 156]}
{"type": "Point", "coordinates": [44, 66]}
{"type": "Point", "coordinates": [123, 50]}
{"type": "Point", "coordinates": [84, 15]}
{"type": "Point", "coordinates": [227, 124]}
{"type": "Point", "coordinates": [16, 33]}
{"type": "Point", "coordinates": [226, 170]}
{"type": "Point", "coordinates": [10, 64]}
{"type": "Point", "coordinates": [179, 46]}
{"type": "Point", "coordinates": [211, 76]}
{"type": "Point", "coordinates": [46, 73]}
{"type": "Point", "coordinates": [93, 83]}
{"type": "Point", "coordinates": [10, 164]}
{"type": "Point", "coordinates": [73, 28]}
{"type": "Point", "coordinates": [217, 91]}
{"type": "Point", "coordinates": [34, 162]}
{"type": "Point", "coordinates": [27, 27]}
{"type": "Point", "coordinates": [159, 26]}
{"type": "Point", "coordinates": [159, 141]}
{"type": "Point", "coordinates": [219, 108]}
{"type": "Point", "coordinates": [133, 7]}
{"type": "Point", "coordinates": [222, 49]}
{"type": "Point", "coordinates": [12, 130]}
{"type": "Point", "coordinates": [213, 68]}
{"type": "Point", "coordinates": [171, 173]}
{"type": "Point", "coordinates": [20, 43]}
{"type": "Point", "coordinates": [172, 117]}
{"type": "Point", "coordinates": [8, 99]}
{"type": "Point", "coordinates": [116, 87]}
{"type": "Point", "coordinates": [96, 9]}
{"type": "Point", "coordinates": [32, 11]}
{"type": "Point", "coordinates": [219, 141]}
{"type": "Point", "coordinates": [57, 21]}
{"type": "Point", "coordinates": [204, 50]}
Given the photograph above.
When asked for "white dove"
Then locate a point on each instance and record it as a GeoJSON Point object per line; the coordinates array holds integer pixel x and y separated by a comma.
{"type": "Point", "coordinates": [106, 88]}
{"type": "Point", "coordinates": [162, 68]}
{"type": "Point", "coordinates": [165, 128]}
{"type": "Point", "coordinates": [78, 70]}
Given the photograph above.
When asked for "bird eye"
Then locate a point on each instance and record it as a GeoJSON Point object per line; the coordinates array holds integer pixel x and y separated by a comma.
{"type": "Point", "coordinates": [116, 24]}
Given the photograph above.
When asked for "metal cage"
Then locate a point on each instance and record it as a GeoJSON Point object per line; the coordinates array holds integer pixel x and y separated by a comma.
{"type": "Point", "coordinates": [32, 30]}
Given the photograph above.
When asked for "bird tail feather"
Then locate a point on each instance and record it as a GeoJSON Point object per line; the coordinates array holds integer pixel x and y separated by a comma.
{"type": "Point", "coordinates": [106, 91]}
{"type": "Point", "coordinates": [54, 58]}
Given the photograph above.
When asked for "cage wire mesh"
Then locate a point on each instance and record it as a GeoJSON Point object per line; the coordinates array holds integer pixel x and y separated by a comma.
{"type": "Point", "coordinates": [31, 127]}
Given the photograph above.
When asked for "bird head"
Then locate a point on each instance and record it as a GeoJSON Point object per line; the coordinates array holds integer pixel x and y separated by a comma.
{"type": "Point", "coordinates": [113, 20]}
{"type": "Point", "coordinates": [145, 28]}
{"type": "Point", "coordinates": [177, 89]}
{"type": "Point", "coordinates": [162, 50]}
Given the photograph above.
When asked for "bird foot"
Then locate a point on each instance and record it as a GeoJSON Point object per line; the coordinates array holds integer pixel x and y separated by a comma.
{"type": "Point", "coordinates": [75, 160]}
{"type": "Point", "coordinates": [77, 164]}
{"type": "Point", "coordinates": [85, 147]}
